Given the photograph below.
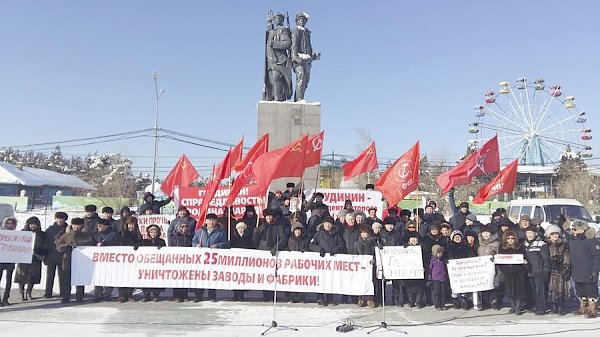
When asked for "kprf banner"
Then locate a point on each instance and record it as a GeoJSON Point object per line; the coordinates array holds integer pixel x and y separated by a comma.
{"type": "Point", "coordinates": [16, 246]}
{"type": "Point", "coordinates": [161, 220]}
{"type": "Point", "coordinates": [471, 274]}
{"type": "Point", "coordinates": [191, 197]}
{"type": "Point", "coordinates": [399, 263]}
{"type": "Point", "coordinates": [362, 200]}
{"type": "Point", "coordinates": [238, 269]}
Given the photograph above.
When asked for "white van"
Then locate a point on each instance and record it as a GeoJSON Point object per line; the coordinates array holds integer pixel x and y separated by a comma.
{"type": "Point", "coordinates": [548, 209]}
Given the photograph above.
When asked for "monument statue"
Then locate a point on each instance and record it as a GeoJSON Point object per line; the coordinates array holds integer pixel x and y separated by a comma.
{"type": "Point", "coordinates": [278, 67]}
{"type": "Point", "coordinates": [302, 55]}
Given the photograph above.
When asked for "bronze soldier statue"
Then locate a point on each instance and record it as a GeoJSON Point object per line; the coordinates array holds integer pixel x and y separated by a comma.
{"type": "Point", "coordinates": [278, 72]}
{"type": "Point", "coordinates": [302, 55]}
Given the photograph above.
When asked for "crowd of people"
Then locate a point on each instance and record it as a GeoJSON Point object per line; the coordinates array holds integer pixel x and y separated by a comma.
{"type": "Point", "coordinates": [560, 261]}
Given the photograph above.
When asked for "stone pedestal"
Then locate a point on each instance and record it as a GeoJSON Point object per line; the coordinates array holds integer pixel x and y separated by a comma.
{"type": "Point", "coordinates": [286, 122]}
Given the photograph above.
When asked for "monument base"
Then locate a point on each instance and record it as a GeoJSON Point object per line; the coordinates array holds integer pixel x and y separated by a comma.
{"type": "Point", "coordinates": [286, 122]}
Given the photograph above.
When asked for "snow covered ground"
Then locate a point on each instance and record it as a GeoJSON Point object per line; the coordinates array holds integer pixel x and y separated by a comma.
{"type": "Point", "coordinates": [47, 317]}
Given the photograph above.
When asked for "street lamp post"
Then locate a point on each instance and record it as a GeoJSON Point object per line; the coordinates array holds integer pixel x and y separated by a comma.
{"type": "Point", "coordinates": [158, 95]}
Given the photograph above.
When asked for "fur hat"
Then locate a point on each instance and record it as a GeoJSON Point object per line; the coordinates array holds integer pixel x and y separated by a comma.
{"type": "Point", "coordinates": [536, 221]}
{"type": "Point", "coordinates": [472, 217]}
{"type": "Point", "coordinates": [376, 224]}
{"type": "Point", "coordinates": [61, 215]}
{"type": "Point", "coordinates": [241, 224]}
{"type": "Point", "coordinates": [342, 213]}
{"type": "Point", "coordinates": [328, 219]}
{"type": "Point", "coordinates": [211, 216]}
{"type": "Point", "coordinates": [525, 217]}
{"type": "Point", "coordinates": [552, 229]}
{"type": "Point", "coordinates": [579, 224]}
{"type": "Point", "coordinates": [414, 234]}
{"type": "Point", "coordinates": [369, 187]}
{"type": "Point", "coordinates": [434, 226]}
{"type": "Point", "coordinates": [290, 185]}
{"type": "Point", "coordinates": [297, 225]}
{"type": "Point", "coordinates": [107, 209]}
{"type": "Point", "coordinates": [456, 232]}
{"type": "Point", "coordinates": [268, 211]}
{"type": "Point", "coordinates": [437, 249]}
{"type": "Point", "coordinates": [389, 221]}
{"type": "Point", "coordinates": [33, 220]}
{"type": "Point", "coordinates": [77, 221]}
{"type": "Point", "coordinates": [485, 229]}
{"type": "Point", "coordinates": [366, 229]}
{"type": "Point", "coordinates": [405, 212]}
{"type": "Point", "coordinates": [89, 208]}
{"type": "Point", "coordinates": [464, 204]}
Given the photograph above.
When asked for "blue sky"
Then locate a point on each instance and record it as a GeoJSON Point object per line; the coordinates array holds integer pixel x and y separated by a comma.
{"type": "Point", "coordinates": [401, 70]}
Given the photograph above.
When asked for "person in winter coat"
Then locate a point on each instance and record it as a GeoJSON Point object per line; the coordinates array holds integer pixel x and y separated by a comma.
{"type": "Point", "coordinates": [181, 238]}
{"type": "Point", "coordinates": [90, 219]}
{"type": "Point", "coordinates": [320, 211]}
{"type": "Point", "coordinates": [515, 275]}
{"type": "Point", "coordinates": [105, 236]}
{"type": "Point", "coordinates": [53, 260]}
{"type": "Point", "coordinates": [471, 224]}
{"type": "Point", "coordinates": [211, 235]}
{"type": "Point", "coordinates": [298, 242]}
{"type": "Point", "coordinates": [151, 203]}
{"type": "Point", "coordinates": [240, 239]}
{"type": "Point", "coordinates": [73, 238]}
{"type": "Point", "coordinates": [459, 214]}
{"type": "Point", "coordinates": [472, 240]}
{"type": "Point", "coordinates": [10, 224]}
{"type": "Point", "coordinates": [559, 287]}
{"type": "Point", "coordinates": [250, 218]}
{"type": "Point", "coordinates": [351, 233]}
{"type": "Point", "coordinates": [415, 288]}
{"type": "Point", "coordinates": [585, 265]}
{"type": "Point", "coordinates": [488, 246]}
{"type": "Point", "coordinates": [437, 275]}
{"type": "Point", "coordinates": [327, 240]}
{"type": "Point", "coordinates": [457, 248]}
{"type": "Point", "coordinates": [129, 236]}
{"type": "Point", "coordinates": [182, 215]}
{"type": "Point", "coordinates": [366, 246]}
{"type": "Point", "coordinates": [538, 270]}
{"type": "Point", "coordinates": [153, 239]}
{"type": "Point", "coordinates": [30, 274]}
{"type": "Point", "coordinates": [119, 224]}
{"type": "Point", "coordinates": [389, 237]}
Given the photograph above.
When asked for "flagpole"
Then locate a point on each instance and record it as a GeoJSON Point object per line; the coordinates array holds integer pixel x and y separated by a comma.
{"type": "Point", "coordinates": [227, 209]}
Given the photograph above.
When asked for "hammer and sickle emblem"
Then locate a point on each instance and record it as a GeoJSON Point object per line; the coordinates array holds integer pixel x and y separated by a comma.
{"type": "Point", "coordinates": [297, 148]}
{"type": "Point", "coordinates": [317, 144]}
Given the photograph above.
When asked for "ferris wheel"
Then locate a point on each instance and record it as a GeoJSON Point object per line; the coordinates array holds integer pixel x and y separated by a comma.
{"type": "Point", "coordinates": [534, 122]}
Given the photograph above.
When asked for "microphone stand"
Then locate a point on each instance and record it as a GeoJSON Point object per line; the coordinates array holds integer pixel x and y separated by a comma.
{"type": "Point", "coordinates": [274, 324]}
{"type": "Point", "coordinates": [384, 324]}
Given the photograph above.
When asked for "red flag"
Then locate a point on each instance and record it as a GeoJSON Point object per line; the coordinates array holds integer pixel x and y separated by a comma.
{"type": "Point", "coordinates": [504, 182]}
{"type": "Point", "coordinates": [485, 160]}
{"type": "Point", "coordinates": [365, 162]}
{"type": "Point", "coordinates": [235, 155]}
{"type": "Point", "coordinates": [401, 178]}
{"type": "Point", "coordinates": [245, 176]}
{"type": "Point", "coordinates": [183, 174]}
{"type": "Point", "coordinates": [239, 167]}
{"type": "Point", "coordinates": [314, 148]}
{"type": "Point", "coordinates": [287, 161]}
{"type": "Point", "coordinates": [211, 188]}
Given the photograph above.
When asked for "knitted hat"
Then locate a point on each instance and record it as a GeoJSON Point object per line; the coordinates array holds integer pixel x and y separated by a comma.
{"type": "Point", "coordinates": [297, 225]}
{"type": "Point", "coordinates": [552, 229]}
{"type": "Point", "coordinates": [472, 217]}
{"type": "Point", "coordinates": [578, 224]}
{"type": "Point", "coordinates": [456, 232]}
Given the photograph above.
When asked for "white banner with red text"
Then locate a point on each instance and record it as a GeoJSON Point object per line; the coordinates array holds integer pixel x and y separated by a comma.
{"type": "Point", "coordinates": [362, 200]}
{"type": "Point", "coordinates": [16, 246]}
{"type": "Point", "coordinates": [191, 197]}
{"type": "Point", "coordinates": [237, 269]}
{"type": "Point", "coordinates": [471, 274]}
